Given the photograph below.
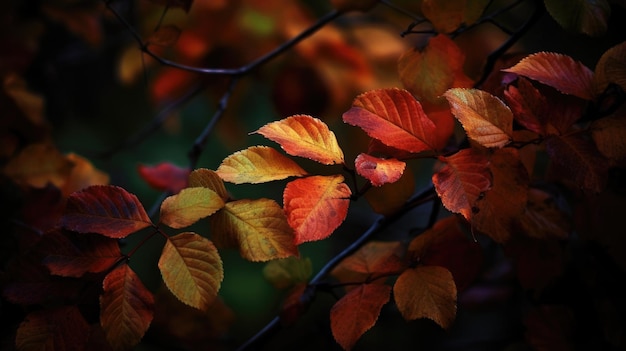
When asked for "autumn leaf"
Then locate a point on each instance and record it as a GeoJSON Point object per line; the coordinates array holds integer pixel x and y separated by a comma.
{"type": "Point", "coordinates": [485, 118]}
{"type": "Point", "coordinates": [577, 161]}
{"type": "Point", "coordinates": [164, 176]}
{"type": "Point", "coordinates": [394, 117]}
{"type": "Point", "coordinates": [542, 218]}
{"type": "Point", "coordinates": [538, 262]}
{"type": "Point", "coordinates": [357, 312]}
{"type": "Point", "coordinates": [189, 206]}
{"type": "Point", "coordinates": [207, 178]}
{"type": "Point", "coordinates": [258, 228]}
{"type": "Point", "coordinates": [559, 71]}
{"type": "Point", "coordinates": [258, 164]}
{"type": "Point", "coordinates": [389, 197]}
{"type": "Point", "coordinates": [376, 259]}
{"type": "Point", "coordinates": [611, 68]}
{"type": "Point", "coordinates": [447, 16]}
{"type": "Point", "coordinates": [294, 304]}
{"type": "Point", "coordinates": [315, 206]}
{"type": "Point", "coordinates": [377, 170]}
{"type": "Point", "coordinates": [38, 165]}
{"type": "Point", "coordinates": [60, 329]}
{"type": "Point", "coordinates": [305, 136]}
{"type": "Point", "coordinates": [165, 35]}
{"type": "Point", "coordinates": [464, 178]}
{"type": "Point", "coordinates": [126, 308]}
{"type": "Point", "coordinates": [82, 175]}
{"type": "Point", "coordinates": [105, 209]}
{"type": "Point", "coordinates": [608, 135]}
{"type": "Point", "coordinates": [191, 269]}
{"type": "Point", "coordinates": [426, 292]}
{"type": "Point", "coordinates": [285, 272]}
{"type": "Point", "coordinates": [589, 17]}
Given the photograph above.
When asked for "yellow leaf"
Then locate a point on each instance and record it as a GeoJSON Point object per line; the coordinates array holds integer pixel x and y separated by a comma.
{"type": "Point", "coordinates": [207, 178]}
{"type": "Point", "coordinates": [258, 164]}
{"type": "Point", "coordinates": [285, 272]}
{"type": "Point", "coordinates": [189, 206]}
{"type": "Point", "coordinates": [192, 269]}
{"type": "Point", "coordinates": [38, 165]}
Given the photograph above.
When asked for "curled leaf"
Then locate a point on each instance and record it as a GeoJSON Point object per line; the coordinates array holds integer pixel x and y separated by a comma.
{"type": "Point", "coordinates": [377, 170]}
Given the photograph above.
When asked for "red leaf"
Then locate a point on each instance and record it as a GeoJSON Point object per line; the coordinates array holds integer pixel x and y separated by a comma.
{"type": "Point", "coordinates": [104, 209]}
{"type": "Point", "coordinates": [377, 170]}
{"type": "Point", "coordinates": [356, 312]}
{"type": "Point", "coordinates": [164, 176]}
{"type": "Point", "coordinates": [58, 329]}
{"type": "Point", "coordinates": [374, 260]}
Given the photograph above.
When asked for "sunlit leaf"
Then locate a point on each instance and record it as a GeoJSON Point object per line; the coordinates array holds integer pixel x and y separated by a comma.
{"type": "Point", "coordinates": [82, 175]}
{"type": "Point", "coordinates": [464, 178]}
{"type": "Point", "coordinates": [447, 16]}
{"type": "Point", "coordinates": [165, 35]}
{"type": "Point", "coordinates": [305, 136]}
{"type": "Point", "coordinates": [376, 259]}
{"type": "Point", "coordinates": [207, 178]}
{"type": "Point", "coordinates": [258, 164]}
{"type": "Point", "coordinates": [258, 228]}
{"type": "Point", "coordinates": [289, 271]}
{"type": "Point", "coordinates": [577, 161]}
{"type": "Point", "coordinates": [126, 308]}
{"type": "Point", "coordinates": [426, 292]}
{"type": "Point", "coordinates": [357, 312]}
{"type": "Point", "coordinates": [394, 117]}
{"type": "Point", "coordinates": [105, 209]}
{"type": "Point", "coordinates": [58, 329]}
{"type": "Point", "coordinates": [38, 165]}
{"type": "Point", "coordinates": [390, 197]}
{"type": "Point", "coordinates": [189, 206]}
{"type": "Point", "coordinates": [164, 176]}
{"type": "Point", "coordinates": [611, 68]}
{"type": "Point", "coordinates": [377, 170]}
{"type": "Point", "coordinates": [192, 269]}
{"type": "Point", "coordinates": [587, 16]}
{"type": "Point", "coordinates": [315, 206]}
{"type": "Point", "coordinates": [485, 118]}
{"type": "Point", "coordinates": [561, 72]}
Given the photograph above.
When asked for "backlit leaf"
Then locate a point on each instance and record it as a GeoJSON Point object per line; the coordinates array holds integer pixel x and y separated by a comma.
{"type": "Point", "coordinates": [485, 118]}
{"type": "Point", "coordinates": [105, 209]}
{"type": "Point", "coordinates": [58, 329]}
{"type": "Point", "coordinates": [258, 164]}
{"type": "Point", "coordinates": [587, 16]}
{"type": "Point", "coordinates": [561, 72]}
{"type": "Point", "coordinates": [289, 271]}
{"type": "Point", "coordinates": [305, 136]}
{"type": "Point", "coordinates": [426, 292]}
{"type": "Point", "coordinates": [379, 171]}
{"type": "Point", "coordinates": [527, 105]}
{"type": "Point", "coordinates": [611, 68]}
{"type": "Point", "coordinates": [376, 259]}
{"type": "Point", "coordinates": [315, 206]}
{"type": "Point", "coordinates": [258, 228]}
{"type": "Point", "coordinates": [394, 117]}
{"type": "Point", "coordinates": [447, 16]}
{"type": "Point", "coordinates": [207, 178]}
{"type": "Point", "coordinates": [192, 269]}
{"type": "Point", "coordinates": [164, 176]}
{"type": "Point", "coordinates": [462, 181]}
{"type": "Point", "coordinates": [189, 206]}
{"type": "Point", "coordinates": [357, 312]}
{"type": "Point", "coordinates": [126, 308]}
{"type": "Point", "coordinates": [38, 165]}
{"type": "Point", "coordinates": [578, 162]}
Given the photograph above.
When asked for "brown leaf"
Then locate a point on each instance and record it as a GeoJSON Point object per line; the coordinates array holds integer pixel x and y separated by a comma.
{"type": "Point", "coordinates": [166, 35]}
{"type": "Point", "coordinates": [611, 68]}
{"type": "Point", "coordinates": [58, 329]}
{"type": "Point", "coordinates": [374, 260]}
{"type": "Point", "coordinates": [38, 165]}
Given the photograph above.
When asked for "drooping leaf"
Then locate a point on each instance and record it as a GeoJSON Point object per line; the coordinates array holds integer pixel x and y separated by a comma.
{"type": "Point", "coordinates": [464, 178]}
{"type": "Point", "coordinates": [608, 135]}
{"type": "Point", "coordinates": [105, 209]}
{"type": "Point", "coordinates": [426, 292]}
{"type": "Point", "coordinates": [485, 118]}
{"type": "Point", "coordinates": [191, 269]}
{"type": "Point", "coordinates": [376, 259]}
{"type": "Point", "coordinates": [258, 164]}
{"type": "Point", "coordinates": [258, 228]}
{"type": "Point", "coordinates": [561, 72]}
{"type": "Point", "coordinates": [305, 136]}
{"type": "Point", "coordinates": [126, 308]}
{"type": "Point", "coordinates": [357, 312]}
{"type": "Point", "coordinates": [390, 197]}
{"type": "Point", "coordinates": [577, 161]}
{"type": "Point", "coordinates": [38, 165]}
{"type": "Point", "coordinates": [377, 170]}
{"type": "Point", "coordinates": [447, 16]}
{"type": "Point", "coordinates": [58, 329]}
{"type": "Point", "coordinates": [587, 16]}
{"type": "Point", "coordinates": [164, 176]}
{"type": "Point", "coordinates": [611, 68]}
{"type": "Point", "coordinates": [315, 206]}
{"type": "Point", "coordinates": [429, 72]}
{"type": "Point", "coordinates": [283, 273]}
{"type": "Point", "coordinates": [207, 178]}
{"type": "Point", "coordinates": [394, 117]}
{"type": "Point", "coordinates": [189, 206]}
{"type": "Point", "coordinates": [165, 35]}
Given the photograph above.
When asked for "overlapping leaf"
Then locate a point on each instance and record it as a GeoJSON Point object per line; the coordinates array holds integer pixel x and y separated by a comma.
{"type": "Point", "coordinates": [258, 164]}
{"type": "Point", "coordinates": [462, 181]}
{"type": "Point", "coordinates": [126, 308]}
{"type": "Point", "coordinates": [543, 219]}
{"type": "Point", "coordinates": [357, 312]}
{"type": "Point", "coordinates": [315, 206]}
{"type": "Point", "coordinates": [390, 197]}
{"type": "Point", "coordinates": [305, 136]}
{"type": "Point", "coordinates": [257, 227]}
{"type": "Point", "coordinates": [189, 206]}
{"type": "Point", "coordinates": [589, 17]}
{"type": "Point", "coordinates": [164, 176]}
{"type": "Point", "coordinates": [207, 178]}
{"type": "Point", "coordinates": [105, 209]}
{"type": "Point", "coordinates": [82, 175]}
{"type": "Point", "coordinates": [611, 68]}
{"type": "Point", "coordinates": [377, 170]}
{"type": "Point", "coordinates": [561, 72]}
{"type": "Point", "coordinates": [447, 16]}
{"type": "Point", "coordinates": [58, 329]}
{"type": "Point", "coordinates": [374, 260]}
{"type": "Point", "coordinates": [485, 118]}
{"type": "Point", "coordinates": [578, 161]}
{"type": "Point", "coordinates": [394, 117]}
{"type": "Point", "coordinates": [192, 269]}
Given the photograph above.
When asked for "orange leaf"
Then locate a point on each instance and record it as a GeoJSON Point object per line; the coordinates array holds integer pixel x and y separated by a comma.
{"type": "Point", "coordinates": [164, 176]}
{"type": "Point", "coordinates": [59, 329]}
{"type": "Point", "coordinates": [105, 209]}
{"type": "Point", "coordinates": [189, 206]}
{"type": "Point", "coordinates": [257, 227]}
{"type": "Point", "coordinates": [433, 70]}
{"type": "Point", "coordinates": [611, 68]}
{"type": "Point", "coordinates": [576, 160]}
{"type": "Point", "coordinates": [447, 16]}
{"type": "Point", "coordinates": [316, 206]}
{"type": "Point", "coordinates": [462, 181]}
{"type": "Point", "coordinates": [192, 269]}
{"type": "Point", "coordinates": [126, 308]}
{"type": "Point", "coordinates": [558, 71]}
{"type": "Point", "coordinates": [357, 312]}
{"type": "Point", "coordinates": [388, 198]}
{"type": "Point", "coordinates": [485, 118]}
{"type": "Point", "coordinates": [305, 136]}
{"type": "Point", "coordinates": [207, 178]}
{"type": "Point", "coordinates": [258, 164]}
{"type": "Point", "coordinates": [394, 117]}
{"type": "Point", "coordinates": [373, 260]}
{"type": "Point", "coordinates": [166, 35]}
{"type": "Point", "coordinates": [377, 170]}
{"type": "Point", "coordinates": [426, 292]}
{"type": "Point", "coordinates": [82, 175]}
{"type": "Point", "coordinates": [38, 165]}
